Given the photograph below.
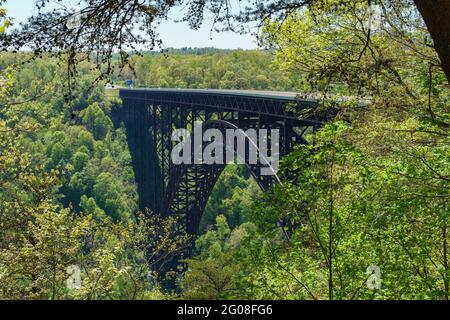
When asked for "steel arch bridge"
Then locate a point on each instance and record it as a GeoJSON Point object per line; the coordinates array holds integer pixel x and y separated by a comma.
{"type": "Point", "coordinates": [151, 115]}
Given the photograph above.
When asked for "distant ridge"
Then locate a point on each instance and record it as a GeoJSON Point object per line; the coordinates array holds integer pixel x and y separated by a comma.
{"type": "Point", "coordinates": [192, 51]}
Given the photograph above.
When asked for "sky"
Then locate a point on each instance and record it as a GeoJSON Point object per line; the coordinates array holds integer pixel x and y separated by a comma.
{"type": "Point", "coordinates": [174, 35]}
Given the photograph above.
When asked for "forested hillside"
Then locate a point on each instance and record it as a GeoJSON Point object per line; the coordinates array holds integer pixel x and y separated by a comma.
{"type": "Point", "coordinates": [67, 173]}
{"type": "Point", "coordinates": [211, 70]}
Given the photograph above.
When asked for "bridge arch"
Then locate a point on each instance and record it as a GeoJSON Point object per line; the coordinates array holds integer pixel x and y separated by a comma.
{"type": "Point", "coordinates": [188, 201]}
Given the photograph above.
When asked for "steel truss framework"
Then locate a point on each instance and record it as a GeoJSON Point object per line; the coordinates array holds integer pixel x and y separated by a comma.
{"type": "Point", "coordinates": [151, 115]}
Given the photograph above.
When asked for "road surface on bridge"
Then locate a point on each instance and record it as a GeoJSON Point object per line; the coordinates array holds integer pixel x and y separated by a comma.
{"type": "Point", "coordinates": [259, 94]}
{"type": "Point", "coordinates": [247, 93]}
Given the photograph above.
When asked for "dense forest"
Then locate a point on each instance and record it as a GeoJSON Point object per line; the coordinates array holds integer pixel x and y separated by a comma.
{"type": "Point", "coordinates": [82, 175]}
{"type": "Point", "coordinates": [219, 69]}
{"type": "Point", "coordinates": [371, 193]}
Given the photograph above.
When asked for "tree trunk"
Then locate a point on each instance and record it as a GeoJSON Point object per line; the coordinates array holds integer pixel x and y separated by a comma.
{"type": "Point", "coordinates": [436, 14]}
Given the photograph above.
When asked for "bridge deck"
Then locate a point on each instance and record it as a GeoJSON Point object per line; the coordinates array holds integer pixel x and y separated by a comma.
{"type": "Point", "coordinates": [276, 95]}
